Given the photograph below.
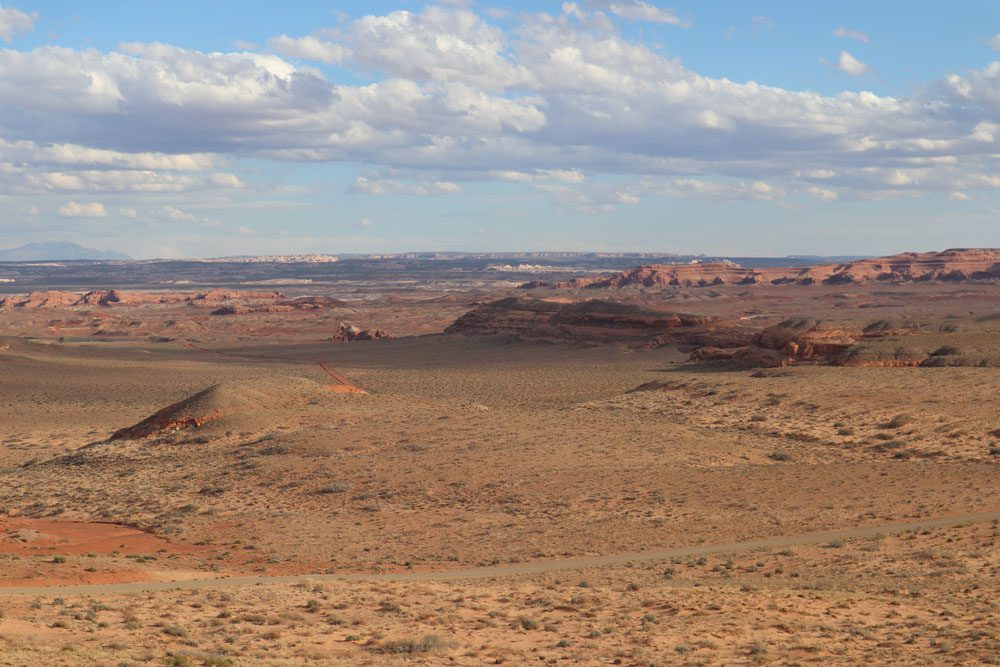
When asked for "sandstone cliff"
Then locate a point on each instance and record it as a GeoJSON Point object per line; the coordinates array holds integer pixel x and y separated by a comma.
{"type": "Point", "coordinates": [956, 265]}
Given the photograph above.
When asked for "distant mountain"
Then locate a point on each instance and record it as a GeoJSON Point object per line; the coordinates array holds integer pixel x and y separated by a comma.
{"type": "Point", "coordinates": [56, 250]}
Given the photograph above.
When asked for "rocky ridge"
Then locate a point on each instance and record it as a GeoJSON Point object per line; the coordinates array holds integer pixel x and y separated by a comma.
{"type": "Point", "coordinates": [955, 265]}
{"type": "Point", "coordinates": [109, 298]}
{"type": "Point", "coordinates": [596, 322]}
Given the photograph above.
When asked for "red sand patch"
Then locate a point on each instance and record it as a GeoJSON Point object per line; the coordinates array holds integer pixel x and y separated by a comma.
{"type": "Point", "coordinates": [27, 537]}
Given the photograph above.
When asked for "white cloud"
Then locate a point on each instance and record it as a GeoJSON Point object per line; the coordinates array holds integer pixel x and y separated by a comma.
{"type": "Point", "coordinates": [310, 48]}
{"type": "Point", "coordinates": [75, 210]}
{"type": "Point", "coordinates": [758, 23]}
{"type": "Point", "coordinates": [13, 21]}
{"type": "Point", "coordinates": [387, 186]}
{"type": "Point", "coordinates": [224, 180]}
{"type": "Point", "coordinates": [851, 65]}
{"type": "Point", "coordinates": [822, 194]}
{"type": "Point", "coordinates": [452, 98]}
{"type": "Point", "coordinates": [847, 33]}
{"type": "Point", "coordinates": [637, 10]}
{"type": "Point", "coordinates": [562, 175]}
{"type": "Point", "coordinates": [367, 223]}
{"type": "Point", "coordinates": [84, 156]}
{"type": "Point", "coordinates": [436, 45]}
{"type": "Point", "coordinates": [995, 42]}
{"type": "Point", "coordinates": [176, 214]}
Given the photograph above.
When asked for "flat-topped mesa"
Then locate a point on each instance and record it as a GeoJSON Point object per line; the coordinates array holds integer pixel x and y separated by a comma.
{"type": "Point", "coordinates": [113, 297]}
{"type": "Point", "coordinates": [47, 299]}
{"type": "Point", "coordinates": [955, 265]}
{"type": "Point", "coordinates": [595, 322]}
{"type": "Point", "coordinates": [281, 306]}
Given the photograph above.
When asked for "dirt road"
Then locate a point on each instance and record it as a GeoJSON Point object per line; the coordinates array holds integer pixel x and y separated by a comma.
{"type": "Point", "coordinates": [514, 569]}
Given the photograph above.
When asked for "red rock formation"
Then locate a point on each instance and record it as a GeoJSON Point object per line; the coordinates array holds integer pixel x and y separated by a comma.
{"type": "Point", "coordinates": [351, 333]}
{"type": "Point", "coordinates": [107, 298]}
{"type": "Point", "coordinates": [231, 295]}
{"type": "Point", "coordinates": [955, 265]}
{"type": "Point", "coordinates": [594, 322]}
{"type": "Point", "coordinates": [286, 306]}
{"type": "Point", "coordinates": [49, 299]}
{"type": "Point", "coordinates": [808, 341]}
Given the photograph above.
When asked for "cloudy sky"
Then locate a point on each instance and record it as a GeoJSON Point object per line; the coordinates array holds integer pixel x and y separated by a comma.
{"type": "Point", "coordinates": [181, 129]}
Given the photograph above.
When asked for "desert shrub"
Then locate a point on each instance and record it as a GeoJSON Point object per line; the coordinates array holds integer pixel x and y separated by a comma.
{"type": "Point", "coordinates": [945, 351]}
{"type": "Point", "coordinates": [779, 455]}
{"type": "Point", "coordinates": [426, 644]}
{"type": "Point", "coordinates": [217, 661]}
{"type": "Point", "coordinates": [333, 487]}
{"type": "Point", "coordinates": [389, 607]}
{"type": "Point", "coordinates": [887, 446]}
{"type": "Point", "coordinates": [527, 623]}
{"type": "Point", "coordinates": [898, 421]}
{"type": "Point", "coordinates": [175, 630]}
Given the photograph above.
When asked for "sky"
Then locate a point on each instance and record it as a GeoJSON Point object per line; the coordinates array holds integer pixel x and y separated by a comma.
{"type": "Point", "coordinates": [222, 127]}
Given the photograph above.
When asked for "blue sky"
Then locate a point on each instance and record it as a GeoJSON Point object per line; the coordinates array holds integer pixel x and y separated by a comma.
{"type": "Point", "coordinates": [188, 129]}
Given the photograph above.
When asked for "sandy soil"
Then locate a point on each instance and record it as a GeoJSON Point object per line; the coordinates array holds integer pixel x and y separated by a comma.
{"type": "Point", "coordinates": [480, 452]}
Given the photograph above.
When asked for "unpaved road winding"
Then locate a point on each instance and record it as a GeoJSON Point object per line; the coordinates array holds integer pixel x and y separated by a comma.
{"type": "Point", "coordinates": [514, 569]}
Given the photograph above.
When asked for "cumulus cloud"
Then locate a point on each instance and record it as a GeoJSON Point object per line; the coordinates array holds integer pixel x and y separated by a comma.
{"type": "Point", "coordinates": [309, 48]}
{"type": "Point", "coordinates": [91, 210]}
{"type": "Point", "coordinates": [551, 102]}
{"type": "Point", "coordinates": [436, 45]}
{"type": "Point", "coordinates": [851, 65]}
{"type": "Point", "coordinates": [847, 33]}
{"type": "Point", "coordinates": [637, 10]}
{"type": "Point", "coordinates": [14, 21]}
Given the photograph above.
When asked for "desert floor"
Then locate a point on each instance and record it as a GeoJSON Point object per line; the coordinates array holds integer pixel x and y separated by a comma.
{"type": "Point", "coordinates": [492, 453]}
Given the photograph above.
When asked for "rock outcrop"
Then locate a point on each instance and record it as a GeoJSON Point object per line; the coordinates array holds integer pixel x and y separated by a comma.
{"type": "Point", "coordinates": [109, 298]}
{"type": "Point", "coordinates": [596, 322]}
{"type": "Point", "coordinates": [283, 306]}
{"type": "Point", "coordinates": [48, 299]}
{"type": "Point", "coordinates": [820, 342]}
{"type": "Point", "coordinates": [956, 265]}
{"type": "Point", "coordinates": [348, 333]}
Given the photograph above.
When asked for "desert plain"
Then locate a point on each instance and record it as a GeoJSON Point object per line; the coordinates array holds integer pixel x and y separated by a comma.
{"type": "Point", "coordinates": [667, 465]}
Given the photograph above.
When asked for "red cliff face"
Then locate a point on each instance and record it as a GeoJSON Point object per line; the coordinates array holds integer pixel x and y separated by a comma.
{"type": "Point", "coordinates": [951, 265]}
{"type": "Point", "coordinates": [108, 298]}
{"type": "Point", "coordinates": [51, 299]}
{"type": "Point", "coordinates": [808, 341]}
